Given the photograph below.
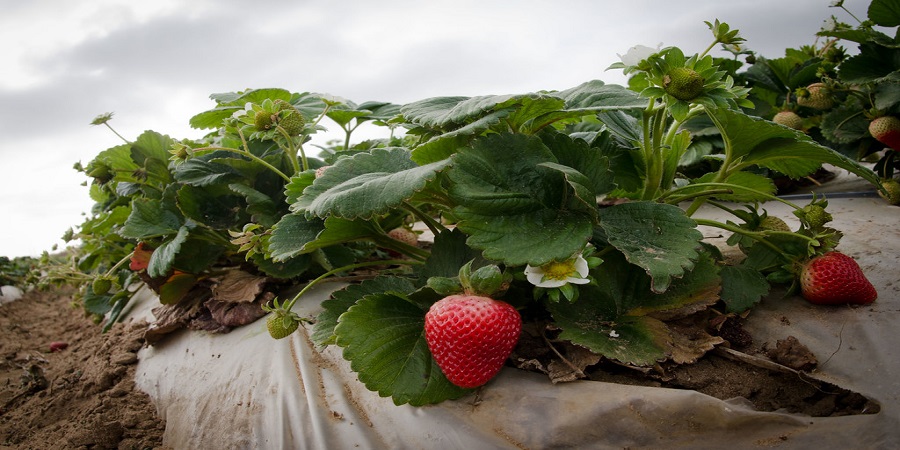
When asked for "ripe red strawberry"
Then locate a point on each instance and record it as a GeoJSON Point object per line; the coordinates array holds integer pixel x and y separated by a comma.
{"type": "Point", "coordinates": [471, 336]}
{"type": "Point", "coordinates": [789, 119]}
{"type": "Point", "coordinates": [886, 129]}
{"type": "Point", "coordinates": [835, 278]}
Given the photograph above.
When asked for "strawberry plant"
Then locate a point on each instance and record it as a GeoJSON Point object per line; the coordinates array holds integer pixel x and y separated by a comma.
{"type": "Point", "coordinates": [566, 211]}
{"type": "Point", "coordinates": [849, 103]}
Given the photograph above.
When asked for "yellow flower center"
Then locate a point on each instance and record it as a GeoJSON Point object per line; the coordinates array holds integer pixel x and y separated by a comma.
{"type": "Point", "coordinates": [559, 270]}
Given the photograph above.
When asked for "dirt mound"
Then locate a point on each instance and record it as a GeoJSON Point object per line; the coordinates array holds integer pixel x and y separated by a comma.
{"type": "Point", "coordinates": [81, 394]}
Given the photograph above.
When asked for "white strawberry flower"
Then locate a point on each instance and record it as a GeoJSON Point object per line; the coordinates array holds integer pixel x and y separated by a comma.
{"type": "Point", "coordinates": [638, 53]}
{"type": "Point", "coordinates": [559, 273]}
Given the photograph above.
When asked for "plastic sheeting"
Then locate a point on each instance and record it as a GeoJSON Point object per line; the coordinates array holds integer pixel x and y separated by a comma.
{"type": "Point", "coordinates": [246, 390]}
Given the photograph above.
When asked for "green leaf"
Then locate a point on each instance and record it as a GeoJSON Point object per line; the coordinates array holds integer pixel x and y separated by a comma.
{"type": "Point", "coordinates": [343, 116]}
{"type": "Point", "coordinates": [367, 184]}
{"type": "Point", "coordinates": [97, 304]}
{"type": "Point", "coordinates": [294, 234]}
{"type": "Point", "coordinates": [619, 318]}
{"type": "Point", "coordinates": [201, 171]}
{"type": "Point", "coordinates": [287, 269]}
{"type": "Point", "coordinates": [151, 145]}
{"type": "Point", "coordinates": [203, 205]}
{"type": "Point", "coordinates": [163, 258]}
{"type": "Point", "coordinates": [742, 287]}
{"type": "Point", "coordinates": [874, 63]}
{"type": "Point", "coordinates": [659, 238]}
{"type": "Point", "coordinates": [583, 159]}
{"type": "Point", "coordinates": [260, 206]}
{"type": "Point", "coordinates": [213, 118]}
{"type": "Point", "coordinates": [434, 112]}
{"type": "Point", "coordinates": [150, 218]}
{"type": "Point", "coordinates": [383, 336]}
{"type": "Point", "coordinates": [756, 141]}
{"type": "Point", "coordinates": [448, 254]}
{"type": "Point", "coordinates": [342, 300]}
{"type": "Point", "coordinates": [294, 188]}
{"type": "Point", "coordinates": [445, 145]}
{"type": "Point", "coordinates": [885, 13]}
{"type": "Point", "coordinates": [514, 209]}
{"type": "Point", "coordinates": [844, 125]}
{"type": "Point", "coordinates": [597, 95]}
{"type": "Point", "coordinates": [291, 234]}
{"type": "Point", "coordinates": [230, 102]}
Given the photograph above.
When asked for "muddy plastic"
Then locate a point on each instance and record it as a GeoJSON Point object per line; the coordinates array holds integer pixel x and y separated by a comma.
{"type": "Point", "coordinates": [246, 390]}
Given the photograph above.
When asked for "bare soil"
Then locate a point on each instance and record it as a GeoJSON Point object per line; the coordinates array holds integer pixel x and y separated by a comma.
{"type": "Point", "coordinates": [79, 397]}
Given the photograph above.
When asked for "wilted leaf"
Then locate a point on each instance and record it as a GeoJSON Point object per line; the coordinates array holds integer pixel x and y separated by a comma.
{"type": "Point", "coordinates": [238, 286]}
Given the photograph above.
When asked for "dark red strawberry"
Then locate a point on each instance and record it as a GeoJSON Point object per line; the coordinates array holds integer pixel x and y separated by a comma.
{"type": "Point", "coordinates": [886, 129]}
{"type": "Point", "coordinates": [470, 337]}
{"type": "Point", "coordinates": [835, 278]}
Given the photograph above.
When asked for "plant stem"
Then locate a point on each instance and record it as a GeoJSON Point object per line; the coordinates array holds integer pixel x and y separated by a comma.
{"type": "Point", "coordinates": [251, 156]}
{"type": "Point", "coordinates": [292, 151]}
{"type": "Point", "coordinates": [119, 264]}
{"type": "Point", "coordinates": [429, 221]}
{"type": "Point", "coordinates": [759, 237]}
{"type": "Point", "coordinates": [766, 195]}
{"type": "Point", "coordinates": [290, 304]}
{"type": "Point", "coordinates": [116, 132]}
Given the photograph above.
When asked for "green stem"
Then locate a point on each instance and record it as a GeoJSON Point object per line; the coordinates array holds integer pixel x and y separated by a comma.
{"type": "Point", "coordinates": [292, 151]}
{"type": "Point", "coordinates": [429, 221]}
{"type": "Point", "coordinates": [731, 187]}
{"type": "Point", "coordinates": [116, 132]}
{"type": "Point", "coordinates": [708, 49]}
{"type": "Point", "coordinates": [759, 237]}
{"type": "Point", "coordinates": [251, 156]}
{"type": "Point", "coordinates": [678, 199]}
{"type": "Point", "coordinates": [290, 304]}
{"type": "Point", "coordinates": [118, 264]}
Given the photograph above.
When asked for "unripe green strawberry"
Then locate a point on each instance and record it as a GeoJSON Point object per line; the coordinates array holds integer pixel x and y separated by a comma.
{"type": "Point", "coordinates": [816, 216]}
{"type": "Point", "coordinates": [886, 129]}
{"type": "Point", "coordinates": [789, 119]}
{"type": "Point", "coordinates": [292, 123]}
{"type": "Point", "coordinates": [835, 278]}
{"type": "Point", "coordinates": [470, 337]}
{"type": "Point", "coordinates": [772, 223]}
{"type": "Point", "coordinates": [101, 285]}
{"type": "Point", "coordinates": [815, 96]}
{"type": "Point", "coordinates": [892, 186]}
{"type": "Point", "coordinates": [683, 83]}
{"type": "Point", "coordinates": [263, 120]}
{"type": "Point", "coordinates": [281, 324]}
{"type": "Point", "coordinates": [290, 118]}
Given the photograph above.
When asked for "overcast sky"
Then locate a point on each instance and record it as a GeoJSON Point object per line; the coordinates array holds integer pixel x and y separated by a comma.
{"type": "Point", "coordinates": [154, 64]}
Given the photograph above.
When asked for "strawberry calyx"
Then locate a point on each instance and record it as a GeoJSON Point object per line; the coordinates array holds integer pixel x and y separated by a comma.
{"type": "Point", "coordinates": [281, 322]}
